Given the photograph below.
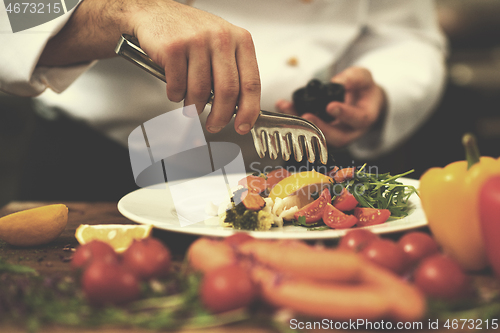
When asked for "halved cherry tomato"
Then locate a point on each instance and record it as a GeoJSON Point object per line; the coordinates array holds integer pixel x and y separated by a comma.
{"type": "Point", "coordinates": [254, 183]}
{"type": "Point", "coordinates": [344, 174]}
{"type": "Point", "coordinates": [313, 211]}
{"type": "Point", "coordinates": [336, 219]}
{"type": "Point", "coordinates": [371, 216]}
{"type": "Point", "coordinates": [274, 177]}
{"type": "Point", "coordinates": [345, 201]}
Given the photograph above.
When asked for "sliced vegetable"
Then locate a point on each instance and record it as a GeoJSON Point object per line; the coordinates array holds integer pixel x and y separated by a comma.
{"type": "Point", "coordinates": [252, 200]}
{"type": "Point", "coordinates": [275, 176]}
{"type": "Point", "coordinates": [371, 216]}
{"type": "Point", "coordinates": [302, 183]}
{"type": "Point", "coordinates": [344, 174]}
{"type": "Point", "coordinates": [345, 201]}
{"type": "Point", "coordinates": [313, 212]}
{"type": "Point", "coordinates": [336, 219]}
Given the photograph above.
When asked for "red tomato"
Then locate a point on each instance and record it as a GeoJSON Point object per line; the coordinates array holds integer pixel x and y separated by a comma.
{"type": "Point", "coordinates": [345, 201]}
{"type": "Point", "coordinates": [314, 210]}
{"type": "Point", "coordinates": [227, 288]}
{"type": "Point", "coordinates": [238, 238]}
{"type": "Point", "coordinates": [147, 258]}
{"type": "Point", "coordinates": [489, 213]}
{"type": "Point", "coordinates": [438, 276]}
{"type": "Point", "coordinates": [356, 239]}
{"type": "Point", "coordinates": [417, 246]}
{"type": "Point", "coordinates": [335, 219]}
{"type": "Point", "coordinates": [386, 253]}
{"type": "Point", "coordinates": [109, 283]}
{"type": "Point", "coordinates": [332, 172]}
{"type": "Point", "coordinates": [254, 183]}
{"type": "Point", "coordinates": [93, 250]}
{"type": "Point", "coordinates": [371, 216]}
{"type": "Point", "coordinates": [274, 177]}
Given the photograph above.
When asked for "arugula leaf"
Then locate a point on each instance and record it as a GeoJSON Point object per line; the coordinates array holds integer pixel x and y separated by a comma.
{"type": "Point", "coordinates": [382, 191]}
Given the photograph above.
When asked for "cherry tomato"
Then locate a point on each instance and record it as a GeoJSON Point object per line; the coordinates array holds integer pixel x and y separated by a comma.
{"type": "Point", "coordinates": [386, 253]}
{"type": "Point", "coordinates": [371, 216]}
{"type": "Point", "coordinates": [227, 288]}
{"type": "Point", "coordinates": [109, 283]}
{"type": "Point", "coordinates": [356, 239]}
{"type": "Point", "coordinates": [438, 276]}
{"type": "Point", "coordinates": [314, 210]}
{"type": "Point", "coordinates": [489, 213]}
{"type": "Point", "coordinates": [345, 201]}
{"type": "Point", "coordinates": [336, 219]}
{"type": "Point", "coordinates": [274, 177]}
{"type": "Point", "coordinates": [147, 258]}
{"type": "Point", "coordinates": [93, 250]}
{"type": "Point", "coordinates": [418, 245]}
{"type": "Point", "coordinates": [238, 238]}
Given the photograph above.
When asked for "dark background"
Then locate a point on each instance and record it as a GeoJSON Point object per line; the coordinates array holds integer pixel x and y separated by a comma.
{"type": "Point", "coordinates": [47, 157]}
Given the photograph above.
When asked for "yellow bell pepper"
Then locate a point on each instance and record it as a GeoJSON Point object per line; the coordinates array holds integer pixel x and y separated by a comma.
{"type": "Point", "coordinates": [450, 199]}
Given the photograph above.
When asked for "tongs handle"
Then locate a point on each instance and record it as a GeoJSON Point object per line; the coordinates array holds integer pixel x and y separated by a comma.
{"type": "Point", "coordinates": [128, 47]}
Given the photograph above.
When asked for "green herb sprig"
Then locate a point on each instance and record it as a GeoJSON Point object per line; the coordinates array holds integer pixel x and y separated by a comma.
{"type": "Point", "coordinates": [382, 191]}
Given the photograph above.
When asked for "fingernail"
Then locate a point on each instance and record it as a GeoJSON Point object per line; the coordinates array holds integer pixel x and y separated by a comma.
{"type": "Point", "coordinates": [214, 129]}
{"type": "Point", "coordinates": [244, 127]}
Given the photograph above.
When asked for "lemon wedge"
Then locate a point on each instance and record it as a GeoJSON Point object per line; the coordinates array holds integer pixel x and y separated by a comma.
{"type": "Point", "coordinates": [35, 226]}
{"type": "Point", "coordinates": [303, 184]}
{"type": "Point", "coordinates": [119, 236]}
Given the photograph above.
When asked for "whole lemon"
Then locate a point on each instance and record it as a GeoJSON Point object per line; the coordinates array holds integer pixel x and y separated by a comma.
{"type": "Point", "coordinates": [34, 226]}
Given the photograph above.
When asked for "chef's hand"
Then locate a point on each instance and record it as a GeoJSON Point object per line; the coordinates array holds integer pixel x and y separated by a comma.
{"type": "Point", "coordinates": [365, 103]}
{"type": "Point", "coordinates": [198, 50]}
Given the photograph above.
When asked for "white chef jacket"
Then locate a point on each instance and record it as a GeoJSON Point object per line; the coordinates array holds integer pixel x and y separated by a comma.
{"type": "Point", "coordinates": [399, 41]}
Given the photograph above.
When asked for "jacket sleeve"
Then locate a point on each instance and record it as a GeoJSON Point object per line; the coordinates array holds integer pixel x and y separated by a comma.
{"type": "Point", "coordinates": [404, 49]}
{"type": "Point", "coordinates": [21, 50]}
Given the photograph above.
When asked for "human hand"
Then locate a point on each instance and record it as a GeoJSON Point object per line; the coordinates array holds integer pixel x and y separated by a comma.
{"type": "Point", "coordinates": [365, 103]}
{"type": "Point", "coordinates": [200, 51]}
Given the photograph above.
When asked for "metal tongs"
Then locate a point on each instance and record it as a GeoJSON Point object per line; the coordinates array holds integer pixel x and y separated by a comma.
{"type": "Point", "coordinates": [272, 131]}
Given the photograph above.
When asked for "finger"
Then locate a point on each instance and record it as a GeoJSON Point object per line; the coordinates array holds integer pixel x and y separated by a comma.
{"type": "Point", "coordinates": [226, 85]}
{"type": "Point", "coordinates": [354, 78]}
{"type": "Point", "coordinates": [199, 84]}
{"type": "Point", "coordinates": [175, 72]}
{"type": "Point", "coordinates": [337, 135]}
{"type": "Point", "coordinates": [357, 118]}
{"type": "Point", "coordinates": [250, 86]}
{"type": "Point", "coordinates": [285, 106]}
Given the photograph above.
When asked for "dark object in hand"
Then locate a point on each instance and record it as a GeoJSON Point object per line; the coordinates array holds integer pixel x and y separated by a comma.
{"type": "Point", "coordinates": [315, 96]}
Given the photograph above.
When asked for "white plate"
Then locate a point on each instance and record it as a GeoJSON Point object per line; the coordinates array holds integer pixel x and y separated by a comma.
{"type": "Point", "coordinates": [155, 206]}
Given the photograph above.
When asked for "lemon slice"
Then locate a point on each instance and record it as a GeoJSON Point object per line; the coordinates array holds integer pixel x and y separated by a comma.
{"type": "Point", "coordinates": [35, 226]}
{"type": "Point", "coordinates": [303, 184]}
{"type": "Point", "coordinates": [119, 236]}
